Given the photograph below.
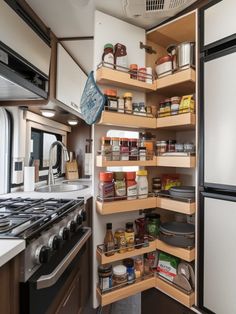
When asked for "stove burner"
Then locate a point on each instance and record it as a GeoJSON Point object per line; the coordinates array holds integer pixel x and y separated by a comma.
{"type": "Point", "coordinates": [39, 208]}
{"type": "Point", "coordinates": [4, 224]}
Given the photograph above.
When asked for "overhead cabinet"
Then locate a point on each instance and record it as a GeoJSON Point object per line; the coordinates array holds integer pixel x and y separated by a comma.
{"type": "Point", "coordinates": [70, 80]}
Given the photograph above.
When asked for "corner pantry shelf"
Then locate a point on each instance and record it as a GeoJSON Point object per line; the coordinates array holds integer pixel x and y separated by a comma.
{"type": "Point", "coordinates": [106, 208]}
{"type": "Point", "coordinates": [186, 208]}
{"type": "Point", "coordinates": [101, 162]}
{"type": "Point", "coordinates": [173, 292]}
{"type": "Point", "coordinates": [121, 293]}
{"type": "Point", "coordinates": [103, 259]}
{"type": "Point", "coordinates": [176, 161]}
{"type": "Point", "coordinates": [127, 120]}
{"type": "Point", "coordinates": [179, 83]}
{"type": "Point", "coordinates": [107, 76]}
{"type": "Point", "coordinates": [185, 254]}
{"type": "Point", "coordinates": [179, 121]}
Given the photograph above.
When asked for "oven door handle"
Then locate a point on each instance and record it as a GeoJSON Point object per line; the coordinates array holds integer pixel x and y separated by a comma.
{"type": "Point", "coordinates": [49, 280]}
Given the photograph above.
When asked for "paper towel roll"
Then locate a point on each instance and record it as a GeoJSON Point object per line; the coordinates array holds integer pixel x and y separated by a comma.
{"type": "Point", "coordinates": [29, 173]}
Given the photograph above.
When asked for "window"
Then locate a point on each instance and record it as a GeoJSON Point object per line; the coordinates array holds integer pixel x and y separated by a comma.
{"type": "Point", "coordinates": [125, 134]}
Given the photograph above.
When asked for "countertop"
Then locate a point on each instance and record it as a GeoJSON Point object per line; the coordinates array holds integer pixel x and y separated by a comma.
{"type": "Point", "coordinates": [9, 248]}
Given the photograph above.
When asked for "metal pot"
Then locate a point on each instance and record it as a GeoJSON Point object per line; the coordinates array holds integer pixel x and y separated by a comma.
{"type": "Point", "coordinates": [185, 55]}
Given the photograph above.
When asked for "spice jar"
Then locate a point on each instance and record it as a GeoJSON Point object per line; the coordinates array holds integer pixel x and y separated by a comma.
{"type": "Point", "coordinates": [189, 147]}
{"type": "Point", "coordinates": [129, 264]}
{"type": "Point", "coordinates": [161, 112]}
{"type": "Point", "coordinates": [131, 185]}
{"type": "Point", "coordinates": [106, 148]}
{"type": "Point", "coordinates": [140, 227]}
{"type": "Point", "coordinates": [135, 108]}
{"type": "Point", "coordinates": [179, 147]}
{"type": "Point", "coordinates": [133, 70]}
{"type": "Point", "coordinates": [129, 236]}
{"type": "Point", "coordinates": [152, 225]}
{"type": "Point", "coordinates": [175, 102]}
{"type": "Point", "coordinates": [142, 151]}
{"type": "Point", "coordinates": [124, 148]}
{"type": "Point", "coordinates": [119, 275]}
{"type": "Point", "coordinates": [105, 277]}
{"type": "Point", "coordinates": [120, 57]}
{"type": "Point", "coordinates": [128, 102]}
{"type": "Point", "coordinates": [111, 99]}
{"type": "Point", "coordinates": [147, 140]}
{"type": "Point", "coordinates": [142, 73]}
{"type": "Point", "coordinates": [120, 185]}
{"type": "Point", "coordinates": [156, 185]}
{"type": "Point", "coordinates": [121, 105]}
{"type": "Point", "coordinates": [161, 147]}
{"type": "Point", "coordinates": [167, 110]}
{"type": "Point", "coordinates": [149, 75]}
{"type": "Point", "coordinates": [106, 186]}
{"type": "Point", "coordinates": [142, 183]}
{"type": "Point", "coordinates": [139, 267]}
{"type": "Point", "coordinates": [171, 146]}
{"type": "Point", "coordinates": [115, 141]}
{"type": "Point", "coordinates": [142, 109]}
{"type": "Point", "coordinates": [133, 149]}
{"type": "Point", "coordinates": [108, 56]}
{"type": "Point", "coordinates": [120, 240]}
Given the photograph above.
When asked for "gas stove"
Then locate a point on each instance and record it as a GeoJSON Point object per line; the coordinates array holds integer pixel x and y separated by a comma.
{"type": "Point", "coordinates": [47, 225]}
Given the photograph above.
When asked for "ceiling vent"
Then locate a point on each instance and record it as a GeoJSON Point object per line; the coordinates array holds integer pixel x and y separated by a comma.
{"type": "Point", "coordinates": [154, 8]}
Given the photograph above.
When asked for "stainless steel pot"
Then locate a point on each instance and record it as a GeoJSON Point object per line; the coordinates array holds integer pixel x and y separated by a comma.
{"type": "Point", "coordinates": [185, 55]}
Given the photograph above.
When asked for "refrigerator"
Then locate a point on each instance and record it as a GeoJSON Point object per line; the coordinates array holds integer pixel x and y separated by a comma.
{"type": "Point", "coordinates": [217, 171]}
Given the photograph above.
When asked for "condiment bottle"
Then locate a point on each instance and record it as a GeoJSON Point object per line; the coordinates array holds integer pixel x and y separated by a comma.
{"type": "Point", "coordinates": [120, 241]}
{"type": "Point", "coordinates": [128, 102]}
{"type": "Point", "coordinates": [142, 183]}
{"type": "Point", "coordinates": [106, 186]}
{"type": "Point", "coordinates": [129, 263]}
{"type": "Point", "coordinates": [120, 57]}
{"type": "Point", "coordinates": [109, 241]}
{"type": "Point", "coordinates": [108, 56]}
{"type": "Point", "coordinates": [105, 277]}
{"type": "Point", "coordinates": [131, 185]}
{"type": "Point", "coordinates": [124, 148]}
{"type": "Point", "coordinates": [106, 148]}
{"type": "Point", "coordinates": [120, 185]}
{"type": "Point", "coordinates": [129, 236]}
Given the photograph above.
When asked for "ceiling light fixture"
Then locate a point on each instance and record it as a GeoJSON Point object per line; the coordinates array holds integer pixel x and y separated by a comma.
{"type": "Point", "coordinates": [73, 122]}
{"type": "Point", "coordinates": [48, 113]}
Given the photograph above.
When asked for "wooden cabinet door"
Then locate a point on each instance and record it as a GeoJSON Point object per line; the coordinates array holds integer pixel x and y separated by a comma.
{"type": "Point", "coordinates": [72, 302]}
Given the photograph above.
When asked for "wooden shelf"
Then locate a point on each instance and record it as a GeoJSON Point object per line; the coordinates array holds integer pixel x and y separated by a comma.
{"type": "Point", "coordinates": [185, 254]}
{"type": "Point", "coordinates": [173, 292]}
{"type": "Point", "coordinates": [127, 120]}
{"type": "Point", "coordinates": [107, 76]}
{"type": "Point", "coordinates": [176, 161]}
{"type": "Point", "coordinates": [103, 259]}
{"type": "Point", "coordinates": [100, 162]}
{"type": "Point", "coordinates": [106, 208]}
{"type": "Point", "coordinates": [177, 84]}
{"type": "Point", "coordinates": [118, 294]}
{"type": "Point", "coordinates": [176, 206]}
{"type": "Point", "coordinates": [180, 121]}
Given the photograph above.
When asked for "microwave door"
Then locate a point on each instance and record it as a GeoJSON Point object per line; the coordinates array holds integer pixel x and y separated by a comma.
{"type": "Point", "coordinates": [219, 99]}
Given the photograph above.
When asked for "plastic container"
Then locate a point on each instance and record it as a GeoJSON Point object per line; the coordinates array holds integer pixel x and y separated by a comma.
{"type": "Point", "coordinates": [124, 149]}
{"type": "Point", "coordinates": [120, 56]}
{"type": "Point", "coordinates": [108, 56]}
{"type": "Point", "coordinates": [142, 184]}
{"type": "Point", "coordinates": [129, 264]}
{"type": "Point", "coordinates": [119, 275]}
{"type": "Point", "coordinates": [175, 103]}
{"type": "Point", "coordinates": [120, 185]}
{"type": "Point", "coordinates": [106, 186]}
{"type": "Point", "coordinates": [171, 146]}
{"type": "Point", "coordinates": [106, 148]}
{"type": "Point", "coordinates": [133, 149]}
{"type": "Point", "coordinates": [133, 69]}
{"type": "Point", "coordinates": [152, 221]}
{"type": "Point", "coordinates": [164, 66]}
{"type": "Point", "coordinates": [161, 147]}
{"type": "Point", "coordinates": [111, 99]}
{"type": "Point", "coordinates": [105, 277]}
{"type": "Point", "coordinates": [128, 97]}
{"type": "Point", "coordinates": [115, 147]}
{"type": "Point", "coordinates": [142, 74]}
{"type": "Point", "coordinates": [131, 185]}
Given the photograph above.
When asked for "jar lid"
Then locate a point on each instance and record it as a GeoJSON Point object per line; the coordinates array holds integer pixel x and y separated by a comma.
{"type": "Point", "coordinates": [115, 138]}
{"type": "Point", "coordinates": [175, 98]}
{"type": "Point", "coordinates": [167, 100]}
{"type": "Point", "coordinates": [128, 95]}
{"type": "Point", "coordinates": [129, 225]}
{"type": "Point", "coordinates": [105, 268]}
{"type": "Point", "coordinates": [110, 92]}
{"type": "Point", "coordinates": [133, 66]}
{"type": "Point", "coordinates": [106, 176]}
{"type": "Point", "coordinates": [108, 46]}
{"type": "Point", "coordinates": [119, 270]}
{"type": "Point", "coordinates": [164, 59]}
{"type": "Point", "coordinates": [119, 175]}
{"type": "Point", "coordinates": [120, 230]}
{"type": "Point", "coordinates": [130, 175]}
{"type": "Point", "coordinates": [142, 148]}
{"type": "Point", "coordinates": [123, 139]}
{"type": "Point", "coordinates": [105, 138]}
{"type": "Point", "coordinates": [142, 173]}
{"type": "Point", "coordinates": [133, 140]}
{"type": "Point", "coordinates": [128, 262]}
{"type": "Point", "coordinates": [109, 226]}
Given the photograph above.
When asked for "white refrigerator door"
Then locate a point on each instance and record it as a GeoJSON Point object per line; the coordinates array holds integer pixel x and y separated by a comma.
{"type": "Point", "coordinates": [219, 21]}
{"type": "Point", "coordinates": [219, 255]}
{"type": "Point", "coordinates": [220, 120]}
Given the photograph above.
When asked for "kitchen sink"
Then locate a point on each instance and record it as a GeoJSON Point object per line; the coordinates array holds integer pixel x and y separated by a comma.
{"type": "Point", "coordinates": [77, 183]}
{"type": "Point", "coordinates": [60, 188]}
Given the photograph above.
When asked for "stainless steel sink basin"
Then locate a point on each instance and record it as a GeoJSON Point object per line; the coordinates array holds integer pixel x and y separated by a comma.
{"type": "Point", "coordinates": [57, 188]}
{"type": "Point", "coordinates": [77, 183]}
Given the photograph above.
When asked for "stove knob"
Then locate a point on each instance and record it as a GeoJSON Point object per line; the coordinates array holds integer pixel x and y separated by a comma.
{"type": "Point", "coordinates": [42, 254]}
{"type": "Point", "coordinates": [64, 233]}
{"type": "Point", "coordinates": [72, 226]}
{"type": "Point", "coordinates": [78, 219]}
{"type": "Point", "coordinates": [84, 215]}
{"type": "Point", "coordinates": [54, 242]}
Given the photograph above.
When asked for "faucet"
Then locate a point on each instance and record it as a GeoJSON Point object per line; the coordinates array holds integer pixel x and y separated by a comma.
{"type": "Point", "coordinates": [51, 179]}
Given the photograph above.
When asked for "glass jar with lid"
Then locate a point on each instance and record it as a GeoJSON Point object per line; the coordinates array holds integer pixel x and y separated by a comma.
{"type": "Point", "coordinates": [128, 97]}
{"type": "Point", "coordinates": [111, 99]}
{"type": "Point", "coordinates": [124, 148]}
{"type": "Point", "coordinates": [171, 146]}
{"type": "Point", "coordinates": [105, 277]}
{"type": "Point", "coordinates": [115, 142]}
{"type": "Point", "coordinates": [106, 148]}
{"type": "Point", "coordinates": [175, 102]}
{"type": "Point", "coordinates": [119, 275]}
{"type": "Point", "coordinates": [167, 110]}
{"type": "Point", "coordinates": [161, 147]}
{"type": "Point", "coordinates": [133, 149]}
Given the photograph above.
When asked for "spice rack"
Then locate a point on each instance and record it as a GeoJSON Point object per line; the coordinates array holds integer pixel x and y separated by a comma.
{"type": "Point", "coordinates": [176, 161]}
{"type": "Point", "coordinates": [187, 208]}
{"type": "Point", "coordinates": [175, 122]}
{"type": "Point", "coordinates": [106, 208]}
{"type": "Point", "coordinates": [102, 162]}
{"type": "Point", "coordinates": [185, 254]}
{"type": "Point", "coordinates": [103, 259]}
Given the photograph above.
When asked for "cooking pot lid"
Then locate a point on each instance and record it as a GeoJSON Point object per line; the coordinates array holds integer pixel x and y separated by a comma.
{"type": "Point", "coordinates": [183, 189]}
{"type": "Point", "coordinates": [179, 228]}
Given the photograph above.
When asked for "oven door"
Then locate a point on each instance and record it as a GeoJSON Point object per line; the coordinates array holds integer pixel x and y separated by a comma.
{"type": "Point", "coordinates": [39, 293]}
